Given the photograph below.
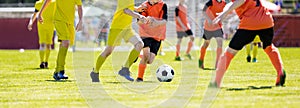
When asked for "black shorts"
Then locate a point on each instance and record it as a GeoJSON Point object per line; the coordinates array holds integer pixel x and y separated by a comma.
{"type": "Point", "coordinates": [181, 34]}
{"type": "Point", "coordinates": [152, 44]}
{"type": "Point", "coordinates": [210, 34]}
{"type": "Point", "coordinates": [243, 37]}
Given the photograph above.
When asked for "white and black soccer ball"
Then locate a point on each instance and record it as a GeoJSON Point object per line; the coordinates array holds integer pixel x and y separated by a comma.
{"type": "Point", "coordinates": [165, 73]}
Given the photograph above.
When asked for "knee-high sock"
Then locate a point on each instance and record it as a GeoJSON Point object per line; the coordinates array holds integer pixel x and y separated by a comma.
{"type": "Point", "coordinates": [42, 55]}
{"type": "Point", "coordinates": [223, 64]}
{"type": "Point", "coordinates": [202, 53]}
{"type": "Point", "coordinates": [177, 50]}
{"type": "Point", "coordinates": [248, 49]}
{"type": "Point", "coordinates": [275, 58]}
{"type": "Point", "coordinates": [61, 59]}
{"type": "Point", "coordinates": [190, 45]}
{"type": "Point", "coordinates": [134, 54]}
{"type": "Point", "coordinates": [47, 54]}
{"type": "Point", "coordinates": [255, 47]}
{"type": "Point", "coordinates": [219, 52]}
{"type": "Point", "coordinates": [142, 68]}
{"type": "Point", "coordinates": [100, 61]}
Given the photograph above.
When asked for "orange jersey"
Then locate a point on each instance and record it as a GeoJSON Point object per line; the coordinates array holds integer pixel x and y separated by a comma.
{"type": "Point", "coordinates": [159, 12]}
{"type": "Point", "coordinates": [213, 7]}
{"type": "Point", "coordinates": [181, 12]}
{"type": "Point", "coordinates": [254, 16]}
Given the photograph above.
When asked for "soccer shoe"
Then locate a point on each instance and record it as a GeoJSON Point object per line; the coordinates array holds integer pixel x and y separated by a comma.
{"type": "Point", "coordinates": [42, 65]}
{"type": "Point", "coordinates": [125, 73]}
{"type": "Point", "coordinates": [200, 64]}
{"type": "Point", "coordinates": [94, 76]}
{"type": "Point", "coordinates": [213, 85]}
{"type": "Point", "coordinates": [189, 56]}
{"type": "Point", "coordinates": [178, 58]}
{"type": "Point", "coordinates": [162, 53]}
{"type": "Point", "coordinates": [60, 75]}
{"type": "Point", "coordinates": [281, 79]}
{"type": "Point", "coordinates": [248, 58]}
{"type": "Point", "coordinates": [139, 80]}
{"type": "Point", "coordinates": [46, 64]}
{"type": "Point", "coordinates": [254, 60]}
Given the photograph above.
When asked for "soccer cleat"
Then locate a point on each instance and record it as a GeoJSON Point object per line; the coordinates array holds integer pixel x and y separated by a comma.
{"type": "Point", "coordinates": [162, 53]}
{"type": "Point", "coordinates": [60, 75]}
{"type": "Point", "coordinates": [46, 64]}
{"type": "Point", "coordinates": [248, 58]}
{"type": "Point", "coordinates": [139, 80]}
{"type": "Point", "coordinates": [125, 73]}
{"type": "Point", "coordinates": [94, 76]}
{"type": "Point", "coordinates": [213, 85]}
{"type": "Point", "coordinates": [42, 65]}
{"type": "Point", "coordinates": [178, 58]}
{"type": "Point", "coordinates": [281, 79]}
{"type": "Point", "coordinates": [200, 64]}
{"type": "Point", "coordinates": [254, 60]}
{"type": "Point", "coordinates": [189, 56]}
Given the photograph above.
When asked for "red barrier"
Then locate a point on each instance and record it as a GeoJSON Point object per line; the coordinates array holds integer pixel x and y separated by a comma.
{"type": "Point", "coordinates": [14, 34]}
{"type": "Point", "coordinates": [286, 31]}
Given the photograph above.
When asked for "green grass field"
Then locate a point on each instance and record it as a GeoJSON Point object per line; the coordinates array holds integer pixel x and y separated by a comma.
{"type": "Point", "coordinates": [244, 85]}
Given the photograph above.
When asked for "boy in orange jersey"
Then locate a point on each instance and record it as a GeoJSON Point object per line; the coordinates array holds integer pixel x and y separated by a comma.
{"type": "Point", "coordinates": [183, 29]}
{"type": "Point", "coordinates": [210, 10]}
{"type": "Point", "coordinates": [255, 19]}
{"type": "Point", "coordinates": [152, 33]}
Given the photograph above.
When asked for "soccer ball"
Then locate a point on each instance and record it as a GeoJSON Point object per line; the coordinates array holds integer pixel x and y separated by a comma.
{"type": "Point", "coordinates": [165, 73]}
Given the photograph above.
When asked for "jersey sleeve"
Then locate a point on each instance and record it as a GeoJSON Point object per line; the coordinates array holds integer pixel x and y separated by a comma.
{"type": "Point", "coordinates": [165, 12]}
{"type": "Point", "coordinates": [176, 11]}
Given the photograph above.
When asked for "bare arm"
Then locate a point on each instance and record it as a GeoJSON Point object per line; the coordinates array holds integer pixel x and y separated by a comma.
{"type": "Point", "coordinates": [223, 14]}
{"type": "Point", "coordinates": [79, 24]}
{"type": "Point", "coordinates": [135, 15]}
{"type": "Point", "coordinates": [31, 21]}
{"type": "Point", "coordinates": [45, 5]}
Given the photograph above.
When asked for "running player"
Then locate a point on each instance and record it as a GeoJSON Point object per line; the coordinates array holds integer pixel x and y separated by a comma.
{"type": "Point", "coordinates": [183, 29]}
{"type": "Point", "coordinates": [45, 30]}
{"type": "Point", "coordinates": [121, 29]}
{"type": "Point", "coordinates": [64, 24]}
{"type": "Point", "coordinates": [152, 33]}
{"type": "Point", "coordinates": [249, 12]}
{"type": "Point", "coordinates": [210, 10]}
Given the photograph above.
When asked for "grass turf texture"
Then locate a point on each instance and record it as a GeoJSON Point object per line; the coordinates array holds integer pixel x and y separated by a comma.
{"type": "Point", "coordinates": [244, 85]}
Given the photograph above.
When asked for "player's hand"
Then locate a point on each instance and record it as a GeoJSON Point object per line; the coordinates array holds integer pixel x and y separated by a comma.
{"type": "Point", "coordinates": [40, 18]}
{"type": "Point", "coordinates": [143, 19]}
{"type": "Point", "coordinates": [29, 27]}
{"type": "Point", "coordinates": [79, 26]}
{"type": "Point", "coordinates": [141, 8]}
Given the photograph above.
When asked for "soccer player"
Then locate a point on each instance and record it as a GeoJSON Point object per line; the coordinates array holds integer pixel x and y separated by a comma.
{"type": "Point", "coordinates": [183, 29]}
{"type": "Point", "coordinates": [254, 45]}
{"type": "Point", "coordinates": [210, 10]}
{"type": "Point", "coordinates": [255, 19]}
{"type": "Point", "coordinates": [121, 29]}
{"type": "Point", "coordinates": [152, 33]}
{"type": "Point", "coordinates": [45, 30]}
{"type": "Point", "coordinates": [64, 24]}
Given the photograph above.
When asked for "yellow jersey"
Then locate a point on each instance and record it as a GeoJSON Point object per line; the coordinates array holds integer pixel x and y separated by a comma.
{"type": "Point", "coordinates": [65, 10]}
{"type": "Point", "coordinates": [48, 14]}
{"type": "Point", "coordinates": [120, 19]}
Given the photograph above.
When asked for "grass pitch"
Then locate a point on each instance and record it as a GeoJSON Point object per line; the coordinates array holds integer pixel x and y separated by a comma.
{"type": "Point", "coordinates": [244, 85]}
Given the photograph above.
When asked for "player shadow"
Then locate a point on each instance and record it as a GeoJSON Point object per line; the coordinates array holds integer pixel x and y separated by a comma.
{"type": "Point", "coordinates": [60, 80]}
{"type": "Point", "coordinates": [116, 82]}
{"type": "Point", "coordinates": [36, 68]}
{"type": "Point", "coordinates": [209, 69]}
{"type": "Point", "coordinates": [250, 88]}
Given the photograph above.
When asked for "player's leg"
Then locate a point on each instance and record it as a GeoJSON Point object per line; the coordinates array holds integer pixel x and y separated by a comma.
{"type": "Point", "coordinates": [206, 36]}
{"type": "Point", "coordinates": [248, 51]}
{"type": "Point", "coordinates": [218, 34]}
{"type": "Point", "coordinates": [47, 54]}
{"type": "Point", "coordinates": [266, 37]}
{"type": "Point", "coordinates": [42, 55]}
{"type": "Point", "coordinates": [190, 43]}
{"type": "Point", "coordinates": [255, 48]}
{"type": "Point", "coordinates": [237, 43]}
{"type": "Point", "coordinates": [179, 39]}
{"type": "Point", "coordinates": [143, 64]}
{"type": "Point", "coordinates": [49, 42]}
{"type": "Point", "coordinates": [219, 49]}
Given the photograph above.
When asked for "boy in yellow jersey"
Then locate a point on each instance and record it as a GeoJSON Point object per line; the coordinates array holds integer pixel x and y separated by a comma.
{"type": "Point", "coordinates": [45, 30]}
{"type": "Point", "coordinates": [255, 43]}
{"type": "Point", "coordinates": [121, 29]}
{"type": "Point", "coordinates": [64, 23]}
